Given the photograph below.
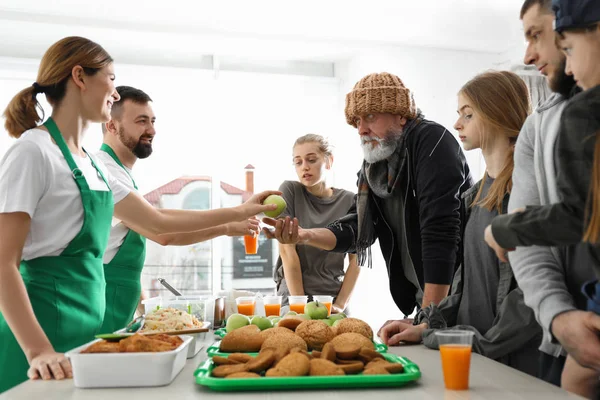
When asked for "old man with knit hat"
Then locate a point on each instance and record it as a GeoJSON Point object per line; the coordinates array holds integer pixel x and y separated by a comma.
{"type": "Point", "coordinates": [409, 195]}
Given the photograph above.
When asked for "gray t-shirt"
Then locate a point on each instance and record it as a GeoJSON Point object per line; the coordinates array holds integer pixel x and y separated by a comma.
{"type": "Point", "coordinates": [322, 271]}
{"type": "Point", "coordinates": [481, 273]}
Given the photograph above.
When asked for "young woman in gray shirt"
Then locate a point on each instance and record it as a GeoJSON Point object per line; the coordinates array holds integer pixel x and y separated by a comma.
{"type": "Point", "coordinates": [306, 270]}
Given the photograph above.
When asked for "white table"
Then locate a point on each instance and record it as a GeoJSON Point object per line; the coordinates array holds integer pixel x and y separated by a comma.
{"type": "Point", "coordinates": [489, 380]}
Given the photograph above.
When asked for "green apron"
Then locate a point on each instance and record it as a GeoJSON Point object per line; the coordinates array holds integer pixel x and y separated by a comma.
{"type": "Point", "coordinates": [123, 273]}
{"type": "Point", "coordinates": [66, 291]}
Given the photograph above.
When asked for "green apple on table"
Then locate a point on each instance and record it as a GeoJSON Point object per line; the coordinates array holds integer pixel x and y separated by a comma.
{"type": "Point", "coordinates": [262, 322]}
{"type": "Point", "coordinates": [315, 310]}
{"type": "Point", "coordinates": [236, 321]}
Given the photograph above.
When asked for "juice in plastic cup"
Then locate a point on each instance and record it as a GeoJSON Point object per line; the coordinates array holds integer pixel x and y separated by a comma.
{"type": "Point", "coordinates": [251, 244]}
{"type": "Point", "coordinates": [272, 305]}
{"type": "Point", "coordinates": [245, 305]}
{"type": "Point", "coordinates": [455, 352]}
{"type": "Point", "coordinates": [297, 303]}
{"type": "Point", "coordinates": [326, 301]}
{"type": "Point", "coordinates": [272, 309]}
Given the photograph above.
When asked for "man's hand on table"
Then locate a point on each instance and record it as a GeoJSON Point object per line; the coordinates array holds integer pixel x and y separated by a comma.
{"type": "Point", "coordinates": [392, 333]}
{"type": "Point", "coordinates": [578, 332]}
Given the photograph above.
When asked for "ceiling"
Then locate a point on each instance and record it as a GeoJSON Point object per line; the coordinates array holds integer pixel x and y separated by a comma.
{"type": "Point", "coordinates": [183, 31]}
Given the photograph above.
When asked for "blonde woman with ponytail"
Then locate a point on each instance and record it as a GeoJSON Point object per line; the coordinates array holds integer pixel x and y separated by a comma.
{"type": "Point", "coordinates": [485, 298]}
{"type": "Point", "coordinates": [56, 207]}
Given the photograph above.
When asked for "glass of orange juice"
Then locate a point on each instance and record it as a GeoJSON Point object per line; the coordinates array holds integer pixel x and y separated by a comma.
{"type": "Point", "coordinates": [272, 305]}
{"type": "Point", "coordinates": [297, 303]}
{"type": "Point", "coordinates": [245, 305]}
{"type": "Point", "coordinates": [455, 352]}
{"type": "Point", "coordinates": [251, 244]}
{"type": "Point", "coordinates": [326, 300]}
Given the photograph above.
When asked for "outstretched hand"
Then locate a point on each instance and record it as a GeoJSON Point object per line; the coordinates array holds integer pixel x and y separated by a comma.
{"type": "Point", "coordinates": [287, 231]}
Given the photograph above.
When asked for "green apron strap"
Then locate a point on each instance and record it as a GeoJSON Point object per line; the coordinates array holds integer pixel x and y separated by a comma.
{"type": "Point", "coordinates": [108, 150]}
{"type": "Point", "coordinates": [62, 145]}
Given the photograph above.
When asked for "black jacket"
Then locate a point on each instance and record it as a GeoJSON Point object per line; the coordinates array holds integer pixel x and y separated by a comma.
{"type": "Point", "coordinates": [561, 223]}
{"type": "Point", "coordinates": [432, 185]}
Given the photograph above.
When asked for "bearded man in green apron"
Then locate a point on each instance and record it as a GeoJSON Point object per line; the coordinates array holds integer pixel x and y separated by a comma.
{"type": "Point", "coordinates": [128, 137]}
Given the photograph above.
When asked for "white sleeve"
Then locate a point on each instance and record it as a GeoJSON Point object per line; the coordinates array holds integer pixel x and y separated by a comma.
{"type": "Point", "coordinates": [23, 179]}
{"type": "Point", "coordinates": [119, 190]}
{"type": "Point", "coordinates": [119, 174]}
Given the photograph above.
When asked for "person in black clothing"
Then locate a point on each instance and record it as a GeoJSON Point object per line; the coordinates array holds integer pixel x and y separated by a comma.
{"type": "Point", "coordinates": [409, 189]}
{"type": "Point", "coordinates": [577, 217]}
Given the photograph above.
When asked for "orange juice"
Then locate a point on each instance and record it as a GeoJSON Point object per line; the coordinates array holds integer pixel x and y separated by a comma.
{"type": "Point", "coordinates": [251, 244]}
{"type": "Point", "coordinates": [328, 305]}
{"type": "Point", "coordinates": [246, 309]}
{"type": "Point", "coordinates": [298, 308]}
{"type": "Point", "coordinates": [456, 360]}
{"type": "Point", "coordinates": [272, 309]}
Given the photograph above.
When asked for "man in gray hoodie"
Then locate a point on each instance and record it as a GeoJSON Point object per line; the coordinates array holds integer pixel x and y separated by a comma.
{"type": "Point", "coordinates": [549, 277]}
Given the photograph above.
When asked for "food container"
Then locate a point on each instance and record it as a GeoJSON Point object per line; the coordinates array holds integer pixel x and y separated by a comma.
{"type": "Point", "coordinates": [197, 340]}
{"type": "Point", "coordinates": [195, 305]}
{"type": "Point", "coordinates": [103, 370]}
{"type": "Point", "coordinates": [411, 373]}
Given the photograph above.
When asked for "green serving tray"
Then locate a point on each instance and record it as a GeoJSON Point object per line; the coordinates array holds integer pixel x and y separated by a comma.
{"type": "Point", "coordinates": [213, 350]}
{"type": "Point", "coordinates": [411, 373]}
{"type": "Point", "coordinates": [221, 332]}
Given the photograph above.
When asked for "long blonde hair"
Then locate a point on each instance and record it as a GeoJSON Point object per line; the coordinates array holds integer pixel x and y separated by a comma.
{"type": "Point", "coordinates": [592, 231]}
{"type": "Point", "coordinates": [501, 99]}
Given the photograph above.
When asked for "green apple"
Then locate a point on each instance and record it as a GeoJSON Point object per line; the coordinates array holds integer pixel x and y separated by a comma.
{"type": "Point", "coordinates": [272, 317]}
{"type": "Point", "coordinates": [262, 322]}
{"type": "Point", "coordinates": [303, 316]}
{"type": "Point", "coordinates": [335, 317]}
{"type": "Point", "coordinates": [327, 321]}
{"type": "Point", "coordinates": [236, 321]}
{"type": "Point", "coordinates": [275, 320]}
{"type": "Point", "coordinates": [278, 201]}
{"type": "Point", "coordinates": [315, 310]}
{"type": "Point", "coordinates": [291, 313]}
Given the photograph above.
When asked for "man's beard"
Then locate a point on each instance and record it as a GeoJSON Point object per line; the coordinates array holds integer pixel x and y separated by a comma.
{"type": "Point", "coordinates": [139, 149]}
{"type": "Point", "coordinates": [562, 83]}
{"type": "Point", "coordinates": [384, 148]}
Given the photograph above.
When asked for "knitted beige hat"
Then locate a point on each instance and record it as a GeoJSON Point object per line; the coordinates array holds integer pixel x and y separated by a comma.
{"type": "Point", "coordinates": [379, 93]}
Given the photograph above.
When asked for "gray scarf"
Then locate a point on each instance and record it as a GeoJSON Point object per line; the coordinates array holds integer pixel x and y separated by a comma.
{"type": "Point", "coordinates": [380, 178]}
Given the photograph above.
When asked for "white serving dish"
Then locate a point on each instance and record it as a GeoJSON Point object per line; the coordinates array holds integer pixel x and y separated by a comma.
{"type": "Point", "coordinates": [196, 344]}
{"type": "Point", "coordinates": [127, 369]}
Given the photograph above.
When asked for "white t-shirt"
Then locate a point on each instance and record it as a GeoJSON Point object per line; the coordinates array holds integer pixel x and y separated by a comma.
{"type": "Point", "coordinates": [35, 178]}
{"type": "Point", "coordinates": [118, 230]}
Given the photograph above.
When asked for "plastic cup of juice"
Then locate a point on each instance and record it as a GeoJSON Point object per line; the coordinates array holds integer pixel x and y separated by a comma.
{"type": "Point", "coordinates": [326, 300]}
{"type": "Point", "coordinates": [297, 303]}
{"type": "Point", "coordinates": [251, 244]}
{"type": "Point", "coordinates": [455, 352]}
{"type": "Point", "coordinates": [245, 305]}
{"type": "Point", "coordinates": [272, 305]}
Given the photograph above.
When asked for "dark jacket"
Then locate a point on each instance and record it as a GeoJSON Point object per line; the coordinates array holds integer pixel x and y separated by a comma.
{"type": "Point", "coordinates": [561, 223]}
{"type": "Point", "coordinates": [515, 335]}
{"type": "Point", "coordinates": [432, 185]}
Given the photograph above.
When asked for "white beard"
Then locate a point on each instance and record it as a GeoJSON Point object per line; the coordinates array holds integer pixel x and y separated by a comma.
{"type": "Point", "coordinates": [382, 150]}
